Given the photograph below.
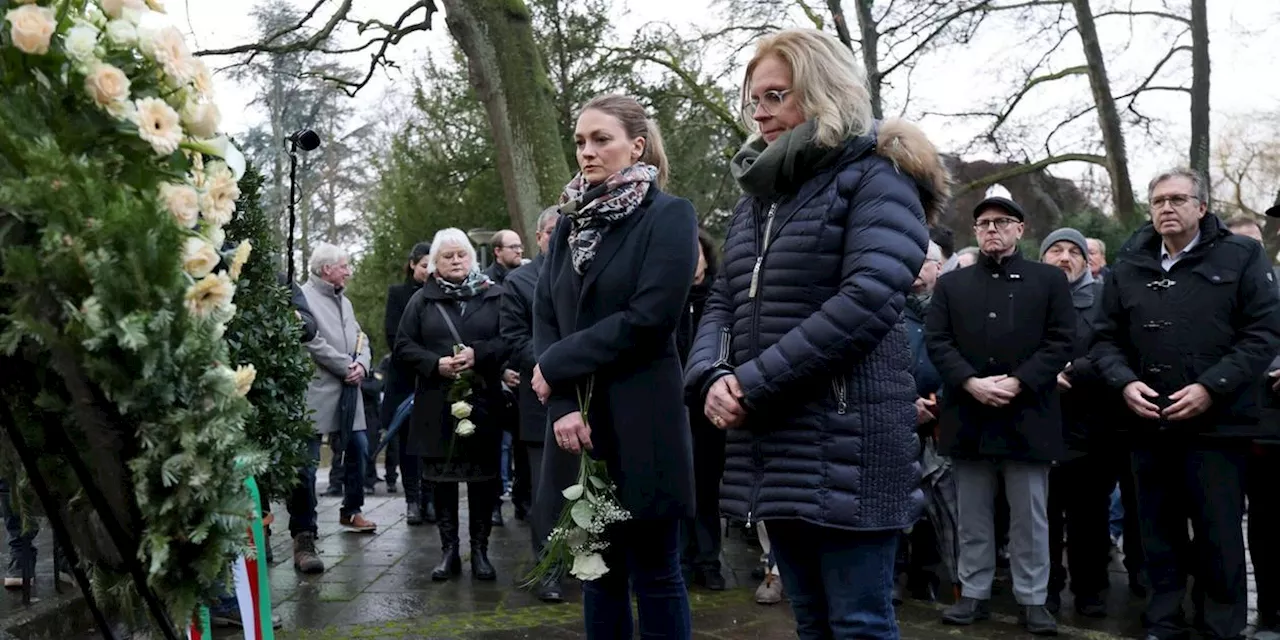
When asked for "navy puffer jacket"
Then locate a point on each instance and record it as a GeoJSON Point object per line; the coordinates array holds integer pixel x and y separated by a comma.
{"type": "Point", "coordinates": [821, 351]}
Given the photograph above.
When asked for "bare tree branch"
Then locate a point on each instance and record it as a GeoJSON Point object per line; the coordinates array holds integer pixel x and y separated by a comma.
{"type": "Point", "coordinates": [1024, 169]}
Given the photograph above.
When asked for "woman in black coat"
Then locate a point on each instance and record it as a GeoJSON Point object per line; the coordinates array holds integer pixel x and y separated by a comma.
{"type": "Point", "coordinates": [398, 385]}
{"type": "Point", "coordinates": [608, 301]}
{"type": "Point", "coordinates": [450, 328]}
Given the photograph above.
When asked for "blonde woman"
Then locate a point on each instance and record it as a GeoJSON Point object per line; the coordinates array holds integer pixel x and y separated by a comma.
{"type": "Point", "coordinates": [801, 353]}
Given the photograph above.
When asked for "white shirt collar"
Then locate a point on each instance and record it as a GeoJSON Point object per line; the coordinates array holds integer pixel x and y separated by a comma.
{"type": "Point", "coordinates": [1167, 260]}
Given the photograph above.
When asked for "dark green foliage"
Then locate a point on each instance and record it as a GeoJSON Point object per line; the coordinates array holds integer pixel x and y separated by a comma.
{"type": "Point", "coordinates": [266, 333]}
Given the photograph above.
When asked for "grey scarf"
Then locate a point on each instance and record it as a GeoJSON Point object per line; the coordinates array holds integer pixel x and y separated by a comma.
{"type": "Point", "coordinates": [1082, 293]}
{"type": "Point", "coordinates": [770, 170]}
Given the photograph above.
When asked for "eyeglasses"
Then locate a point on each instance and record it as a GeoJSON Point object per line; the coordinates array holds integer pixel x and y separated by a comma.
{"type": "Point", "coordinates": [513, 247]}
{"type": "Point", "coordinates": [1177, 200]}
{"type": "Point", "coordinates": [771, 101]}
{"type": "Point", "coordinates": [997, 223]}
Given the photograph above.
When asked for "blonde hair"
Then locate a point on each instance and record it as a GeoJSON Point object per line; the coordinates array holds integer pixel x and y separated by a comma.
{"type": "Point", "coordinates": [637, 124]}
{"type": "Point", "coordinates": [827, 82]}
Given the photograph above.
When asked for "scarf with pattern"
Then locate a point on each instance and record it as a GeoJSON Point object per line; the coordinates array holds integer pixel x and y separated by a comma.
{"type": "Point", "coordinates": [474, 283]}
{"type": "Point", "coordinates": [593, 210]}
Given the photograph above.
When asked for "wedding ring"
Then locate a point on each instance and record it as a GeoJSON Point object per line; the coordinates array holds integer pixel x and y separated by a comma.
{"type": "Point", "coordinates": [718, 421]}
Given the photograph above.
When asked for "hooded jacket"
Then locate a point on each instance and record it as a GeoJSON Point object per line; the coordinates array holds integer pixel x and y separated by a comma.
{"type": "Point", "coordinates": [818, 343]}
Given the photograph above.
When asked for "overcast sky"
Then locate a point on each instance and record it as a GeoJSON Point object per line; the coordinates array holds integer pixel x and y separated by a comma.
{"type": "Point", "coordinates": [1244, 41]}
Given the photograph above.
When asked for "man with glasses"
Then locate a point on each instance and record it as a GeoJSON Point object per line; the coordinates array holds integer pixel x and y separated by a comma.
{"type": "Point", "coordinates": [1189, 328]}
{"type": "Point", "coordinates": [999, 332]}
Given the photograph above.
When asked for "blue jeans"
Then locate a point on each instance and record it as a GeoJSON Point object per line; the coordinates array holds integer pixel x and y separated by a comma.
{"type": "Point", "coordinates": [506, 463]}
{"type": "Point", "coordinates": [357, 455]}
{"type": "Point", "coordinates": [1117, 513]}
{"type": "Point", "coordinates": [840, 582]}
{"type": "Point", "coordinates": [302, 500]}
{"type": "Point", "coordinates": [19, 540]}
{"type": "Point", "coordinates": [644, 554]}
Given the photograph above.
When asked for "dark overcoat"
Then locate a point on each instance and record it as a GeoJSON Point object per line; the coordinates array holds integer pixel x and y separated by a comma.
{"type": "Point", "coordinates": [422, 339]}
{"type": "Point", "coordinates": [1002, 317]}
{"type": "Point", "coordinates": [616, 323]}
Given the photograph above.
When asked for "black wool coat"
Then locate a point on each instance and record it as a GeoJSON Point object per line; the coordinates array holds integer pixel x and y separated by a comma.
{"type": "Point", "coordinates": [616, 323]}
{"type": "Point", "coordinates": [422, 339]}
{"type": "Point", "coordinates": [517, 330]}
{"type": "Point", "coordinates": [1007, 317]}
{"type": "Point", "coordinates": [1211, 319]}
{"type": "Point", "coordinates": [399, 382]}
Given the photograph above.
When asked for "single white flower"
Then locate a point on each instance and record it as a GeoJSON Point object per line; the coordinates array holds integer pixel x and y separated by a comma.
{"type": "Point", "coordinates": [122, 33]}
{"type": "Point", "coordinates": [201, 77]}
{"type": "Point", "coordinates": [239, 259]}
{"type": "Point", "coordinates": [588, 567]}
{"type": "Point", "coordinates": [31, 28]}
{"type": "Point", "coordinates": [169, 50]}
{"type": "Point", "coordinates": [107, 85]}
{"type": "Point", "coordinates": [572, 492]}
{"type": "Point", "coordinates": [210, 295]}
{"type": "Point", "coordinates": [199, 257]}
{"type": "Point", "coordinates": [201, 119]}
{"type": "Point", "coordinates": [460, 410]}
{"type": "Point", "coordinates": [81, 41]}
{"type": "Point", "coordinates": [244, 377]}
{"type": "Point", "coordinates": [217, 236]}
{"type": "Point", "coordinates": [218, 202]}
{"type": "Point", "coordinates": [183, 201]}
{"type": "Point", "coordinates": [158, 124]}
{"type": "Point", "coordinates": [465, 428]}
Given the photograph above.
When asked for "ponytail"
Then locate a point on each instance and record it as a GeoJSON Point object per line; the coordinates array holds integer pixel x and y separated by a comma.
{"type": "Point", "coordinates": [655, 152]}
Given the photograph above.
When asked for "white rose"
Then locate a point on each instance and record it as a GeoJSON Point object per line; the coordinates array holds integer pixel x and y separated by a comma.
{"type": "Point", "coordinates": [31, 28]}
{"type": "Point", "coordinates": [183, 201]}
{"type": "Point", "coordinates": [122, 33]}
{"type": "Point", "coordinates": [589, 567]}
{"type": "Point", "coordinates": [465, 428]}
{"type": "Point", "coordinates": [460, 410]}
{"type": "Point", "coordinates": [80, 42]}
{"type": "Point", "coordinates": [107, 85]}
{"type": "Point", "coordinates": [199, 257]}
{"type": "Point", "coordinates": [202, 119]}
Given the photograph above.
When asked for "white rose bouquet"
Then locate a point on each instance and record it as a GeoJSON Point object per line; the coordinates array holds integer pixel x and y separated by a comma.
{"type": "Point", "coordinates": [578, 539]}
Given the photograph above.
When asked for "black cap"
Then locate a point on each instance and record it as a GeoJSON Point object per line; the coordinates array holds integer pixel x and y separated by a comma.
{"type": "Point", "coordinates": [1274, 212]}
{"type": "Point", "coordinates": [1007, 205]}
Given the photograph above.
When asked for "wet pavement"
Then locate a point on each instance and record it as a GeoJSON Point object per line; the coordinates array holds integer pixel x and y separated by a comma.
{"type": "Point", "coordinates": [378, 586]}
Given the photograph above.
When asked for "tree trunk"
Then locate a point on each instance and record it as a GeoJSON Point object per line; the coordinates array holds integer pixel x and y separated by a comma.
{"type": "Point", "coordinates": [870, 49]}
{"type": "Point", "coordinates": [1108, 116]}
{"type": "Point", "coordinates": [509, 77]}
{"type": "Point", "coordinates": [1200, 88]}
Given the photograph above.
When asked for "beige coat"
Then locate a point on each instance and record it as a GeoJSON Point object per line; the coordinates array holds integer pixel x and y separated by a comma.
{"type": "Point", "coordinates": [337, 335]}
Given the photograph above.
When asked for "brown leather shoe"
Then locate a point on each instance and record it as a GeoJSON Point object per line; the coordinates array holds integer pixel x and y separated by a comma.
{"type": "Point", "coordinates": [357, 523]}
{"type": "Point", "coordinates": [305, 558]}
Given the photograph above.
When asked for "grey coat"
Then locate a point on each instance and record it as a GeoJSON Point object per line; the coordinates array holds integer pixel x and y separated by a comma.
{"type": "Point", "coordinates": [332, 348]}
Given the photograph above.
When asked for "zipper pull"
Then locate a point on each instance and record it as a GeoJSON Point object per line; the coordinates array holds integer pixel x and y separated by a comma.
{"type": "Point", "coordinates": [755, 277]}
{"type": "Point", "coordinates": [749, 521]}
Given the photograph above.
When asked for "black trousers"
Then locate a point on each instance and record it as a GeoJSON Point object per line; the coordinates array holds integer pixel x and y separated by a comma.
{"type": "Point", "coordinates": [701, 537]}
{"type": "Point", "coordinates": [1080, 508]}
{"type": "Point", "coordinates": [538, 530]}
{"type": "Point", "coordinates": [521, 479]}
{"type": "Point", "coordinates": [1202, 481]}
{"type": "Point", "coordinates": [1264, 528]}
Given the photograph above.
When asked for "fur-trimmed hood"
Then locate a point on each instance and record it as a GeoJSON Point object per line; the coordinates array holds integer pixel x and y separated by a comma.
{"type": "Point", "coordinates": [904, 144]}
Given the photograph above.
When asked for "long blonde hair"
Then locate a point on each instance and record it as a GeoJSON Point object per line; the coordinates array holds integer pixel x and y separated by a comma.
{"type": "Point", "coordinates": [828, 82]}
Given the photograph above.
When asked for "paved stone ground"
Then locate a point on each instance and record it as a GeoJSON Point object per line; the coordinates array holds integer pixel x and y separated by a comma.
{"type": "Point", "coordinates": [378, 586]}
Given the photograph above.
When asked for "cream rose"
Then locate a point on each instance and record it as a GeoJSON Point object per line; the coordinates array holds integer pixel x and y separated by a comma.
{"type": "Point", "coordinates": [218, 202]}
{"type": "Point", "coordinates": [465, 428]}
{"type": "Point", "coordinates": [199, 257]}
{"type": "Point", "coordinates": [31, 28]}
{"type": "Point", "coordinates": [107, 85]}
{"type": "Point", "coordinates": [589, 567]}
{"type": "Point", "coordinates": [81, 41]}
{"type": "Point", "coordinates": [460, 410]}
{"type": "Point", "coordinates": [183, 201]}
{"type": "Point", "coordinates": [201, 118]}
{"type": "Point", "coordinates": [116, 9]}
{"type": "Point", "coordinates": [122, 33]}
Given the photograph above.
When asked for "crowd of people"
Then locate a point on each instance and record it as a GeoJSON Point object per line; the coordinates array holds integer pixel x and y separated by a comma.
{"type": "Point", "coordinates": [887, 413]}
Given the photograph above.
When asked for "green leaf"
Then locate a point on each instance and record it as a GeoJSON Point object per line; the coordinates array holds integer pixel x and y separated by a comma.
{"type": "Point", "coordinates": [583, 513]}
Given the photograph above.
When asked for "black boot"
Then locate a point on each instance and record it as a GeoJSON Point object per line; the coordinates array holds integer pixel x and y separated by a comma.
{"type": "Point", "coordinates": [428, 502]}
{"type": "Point", "coordinates": [450, 560]}
{"type": "Point", "coordinates": [481, 526]}
{"type": "Point", "coordinates": [413, 513]}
